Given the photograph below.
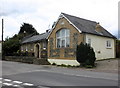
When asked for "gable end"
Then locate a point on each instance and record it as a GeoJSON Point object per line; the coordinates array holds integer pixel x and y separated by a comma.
{"type": "Point", "coordinates": [62, 16]}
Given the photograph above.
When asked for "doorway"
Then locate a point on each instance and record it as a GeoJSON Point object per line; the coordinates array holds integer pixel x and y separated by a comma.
{"type": "Point", "coordinates": [37, 51]}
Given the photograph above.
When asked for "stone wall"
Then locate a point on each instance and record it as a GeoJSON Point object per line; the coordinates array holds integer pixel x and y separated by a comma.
{"type": "Point", "coordinates": [24, 59]}
{"type": "Point", "coordinates": [30, 49]}
{"type": "Point", "coordinates": [64, 53]}
{"type": "Point", "coordinates": [27, 59]}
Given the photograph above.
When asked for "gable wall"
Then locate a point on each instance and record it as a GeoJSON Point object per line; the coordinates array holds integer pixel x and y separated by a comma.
{"type": "Point", "coordinates": [75, 38]}
{"type": "Point", "coordinates": [31, 48]}
{"type": "Point", "coordinates": [99, 45]}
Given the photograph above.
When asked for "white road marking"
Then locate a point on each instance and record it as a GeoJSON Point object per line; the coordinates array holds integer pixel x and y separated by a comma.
{"type": "Point", "coordinates": [18, 82]}
{"type": "Point", "coordinates": [16, 85]}
{"type": "Point", "coordinates": [7, 84]}
{"type": "Point", "coordinates": [8, 80]}
{"type": "Point", "coordinates": [1, 78]}
{"type": "Point", "coordinates": [27, 84]}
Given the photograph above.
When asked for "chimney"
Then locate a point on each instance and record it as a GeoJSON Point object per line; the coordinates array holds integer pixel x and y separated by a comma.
{"type": "Point", "coordinates": [98, 27]}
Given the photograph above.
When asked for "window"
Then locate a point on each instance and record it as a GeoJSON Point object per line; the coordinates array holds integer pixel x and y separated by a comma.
{"type": "Point", "coordinates": [89, 41]}
{"type": "Point", "coordinates": [108, 44]}
{"type": "Point", "coordinates": [26, 48]}
{"type": "Point", "coordinates": [62, 38]}
{"type": "Point", "coordinates": [44, 45]}
{"type": "Point", "coordinates": [21, 48]}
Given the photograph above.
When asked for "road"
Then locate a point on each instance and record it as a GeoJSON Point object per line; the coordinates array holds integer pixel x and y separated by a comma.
{"type": "Point", "coordinates": [43, 76]}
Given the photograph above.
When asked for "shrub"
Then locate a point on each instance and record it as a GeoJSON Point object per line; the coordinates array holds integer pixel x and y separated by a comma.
{"type": "Point", "coordinates": [63, 65]}
{"type": "Point", "coordinates": [54, 64]}
{"type": "Point", "coordinates": [85, 55]}
{"type": "Point", "coordinates": [118, 48]}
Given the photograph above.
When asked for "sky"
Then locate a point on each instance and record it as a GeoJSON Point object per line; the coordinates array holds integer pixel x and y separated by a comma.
{"type": "Point", "coordinates": [42, 13]}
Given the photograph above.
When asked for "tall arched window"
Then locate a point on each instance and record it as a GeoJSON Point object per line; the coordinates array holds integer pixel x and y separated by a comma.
{"type": "Point", "coordinates": [63, 38]}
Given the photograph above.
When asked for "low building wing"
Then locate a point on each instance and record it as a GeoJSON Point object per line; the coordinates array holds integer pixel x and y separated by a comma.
{"type": "Point", "coordinates": [36, 38]}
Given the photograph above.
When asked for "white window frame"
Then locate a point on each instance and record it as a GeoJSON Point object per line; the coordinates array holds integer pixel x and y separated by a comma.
{"type": "Point", "coordinates": [22, 48]}
{"type": "Point", "coordinates": [108, 44]}
{"type": "Point", "coordinates": [26, 48]}
{"type": "Point", "coordinates": [65, 37]}
{"type": "Point", "coordinates": [89, 41]}
{"type": "Point", "coordinates": [44, 45]}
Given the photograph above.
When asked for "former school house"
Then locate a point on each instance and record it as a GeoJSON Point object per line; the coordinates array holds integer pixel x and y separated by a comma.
{"type": "Point", "coordinates": [66, 34]}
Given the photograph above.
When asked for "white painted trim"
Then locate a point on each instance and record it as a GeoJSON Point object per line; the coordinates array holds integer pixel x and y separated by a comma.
{"type": "Point", "coordinates": [63, 61]}
{"type": "Point", "coordinates": [61, 16]}
{"type": "Point", "coordinates": [68, 36]}
{"type": "Point", "coordinates": [108, 42]}
{"type": "Point", "coordinates": [72, 23]}
{"type": "Point", "coordinates": [54, 26]}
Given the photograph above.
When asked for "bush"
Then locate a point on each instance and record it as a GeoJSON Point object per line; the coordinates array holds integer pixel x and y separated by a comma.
{"type": "Point", "coordinates": [85, 55]}
{"type": "Point", "coordinates": [54, 64]}
{"type": "Point", "coordinates": [118, 49]}
{"type": "Point", "coordinates": [63, 65]}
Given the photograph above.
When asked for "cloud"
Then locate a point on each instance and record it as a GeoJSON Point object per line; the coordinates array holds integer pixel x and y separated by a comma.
{"type": "Point", "coordinates": [11, 26]}
{"type": "Point", "coordinates": [42, 13]}
{"type": "Point", "coordinates": [18, 6]}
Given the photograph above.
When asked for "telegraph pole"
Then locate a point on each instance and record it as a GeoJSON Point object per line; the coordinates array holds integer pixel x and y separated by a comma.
{"type": "Point", "coordinates": [2, 29]}
{"type": "Point", "coordinates": [2, 40]}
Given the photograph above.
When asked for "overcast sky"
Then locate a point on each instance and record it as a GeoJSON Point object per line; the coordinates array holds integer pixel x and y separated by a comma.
{"type": "Point", "coordinates": [42, 13]}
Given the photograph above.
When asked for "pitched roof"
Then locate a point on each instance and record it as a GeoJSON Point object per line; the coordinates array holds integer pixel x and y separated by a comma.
{"type": "Point", "coordinates": [87, 26]}
{"type": "Point", "coordinates": [36, 38]}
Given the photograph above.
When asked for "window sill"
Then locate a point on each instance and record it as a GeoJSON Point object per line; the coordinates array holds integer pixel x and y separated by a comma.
{"type": "Point", "coordinates": [108, 47]}
{"type": "Point", "coordinates": [62, 47]}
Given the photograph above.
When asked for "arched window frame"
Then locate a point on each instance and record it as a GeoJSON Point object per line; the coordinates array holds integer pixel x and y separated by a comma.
{"type": "Point", "coordinates": [63, 38]}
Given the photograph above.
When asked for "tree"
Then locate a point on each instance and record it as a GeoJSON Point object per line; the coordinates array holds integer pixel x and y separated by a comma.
{"type": "Point", "coordinates": [85, 55]}
{"type": "Point", "coordinates": [81, 53]}
{"type": "Point", "coordinates": [28, 29]}
{"type": "Point", "coordinates": [11, 45]}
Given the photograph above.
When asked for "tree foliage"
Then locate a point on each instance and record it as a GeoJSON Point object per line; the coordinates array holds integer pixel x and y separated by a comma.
{"type": "Point", "coordinates": [85, 55]}
{"type": "Point", "coordinates": [28, 29]}
{"type": "Point", "coordinates": [11, 45]}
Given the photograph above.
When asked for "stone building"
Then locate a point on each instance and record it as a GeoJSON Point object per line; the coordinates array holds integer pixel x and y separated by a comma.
{"type": "Point", "coordinates": [35, 46]}
{"type": "Point", "coordinates": [69, 31]}
{"type": "Point", "coordinates": [59, 45]}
